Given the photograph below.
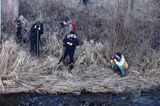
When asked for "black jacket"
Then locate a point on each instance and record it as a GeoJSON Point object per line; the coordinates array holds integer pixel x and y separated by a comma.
{"type": "Point", "coordinates": [35, 30]}
{"type": "Point", "coordinates": [74, 41]}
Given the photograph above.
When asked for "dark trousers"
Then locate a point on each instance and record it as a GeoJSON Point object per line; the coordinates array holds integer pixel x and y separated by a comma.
{"type": "Point", "coordinates": [34, 46]}
{"type": "Point", "coordinates": [19, 36]}
{"type": "Point", "coordinates": [68, 52]}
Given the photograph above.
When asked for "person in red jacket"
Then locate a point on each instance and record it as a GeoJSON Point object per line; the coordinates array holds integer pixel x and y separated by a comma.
{"type": "Point", "coordinates": [70, 26]}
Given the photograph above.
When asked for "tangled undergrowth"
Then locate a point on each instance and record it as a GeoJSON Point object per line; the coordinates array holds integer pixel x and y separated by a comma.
{"type": "Point", "coordinates": [100, 39]}
{"type": "Point", "coordinates": [22, 72]}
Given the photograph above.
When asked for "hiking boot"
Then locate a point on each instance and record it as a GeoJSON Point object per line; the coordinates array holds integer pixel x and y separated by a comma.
{"type": "Point", "coordinates": [71, 66]}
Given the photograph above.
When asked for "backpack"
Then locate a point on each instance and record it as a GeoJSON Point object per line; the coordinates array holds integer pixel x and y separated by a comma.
{"type": "Point", "coordinates": [74, 26]}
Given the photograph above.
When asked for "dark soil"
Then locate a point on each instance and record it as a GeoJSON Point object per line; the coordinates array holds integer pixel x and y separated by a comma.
{"type": "Point", "coordinates": [138, 98]}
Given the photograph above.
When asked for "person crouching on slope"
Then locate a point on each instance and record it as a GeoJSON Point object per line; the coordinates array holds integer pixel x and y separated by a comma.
{"type": "Point", "coordinates": [70, 43]}
{"type": "Point", "coordinates": [119, 64]}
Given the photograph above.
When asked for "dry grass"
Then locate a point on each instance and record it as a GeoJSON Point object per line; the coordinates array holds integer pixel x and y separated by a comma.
{"type": "Point", "coordinates": [20, 71]}
{"type": "Point", "coordinates": [100, 38]}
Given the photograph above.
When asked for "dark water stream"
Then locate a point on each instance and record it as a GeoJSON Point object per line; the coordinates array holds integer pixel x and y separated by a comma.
{"type": "Point", "coordinates": [138, 98]}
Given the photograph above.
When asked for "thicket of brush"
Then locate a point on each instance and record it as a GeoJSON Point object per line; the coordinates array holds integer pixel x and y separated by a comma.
{"type": "Point", "coordinates": [103, 30]}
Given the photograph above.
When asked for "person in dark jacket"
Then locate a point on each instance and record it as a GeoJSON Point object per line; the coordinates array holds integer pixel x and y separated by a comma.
{"type": "Point", "coordinates": [35, 36]}
{"type": "Point", "coordinates": [21, 29]}
{"type": "Point", "coordinates": [70, 43]}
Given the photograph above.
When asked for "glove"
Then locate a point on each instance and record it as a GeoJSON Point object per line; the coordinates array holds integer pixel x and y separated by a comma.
{"type": "Point", "coordinates": [35, 26]}
{"type": "Point", "coordinates": [39, 28]}
{"type": "Point", "coordinates": [70, 44]}
{"type": "Point", "coordinates": [18, 23]}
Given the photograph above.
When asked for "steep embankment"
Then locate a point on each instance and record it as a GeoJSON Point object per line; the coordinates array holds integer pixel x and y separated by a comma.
{"type": "Point", "coordinates": [104, 28]}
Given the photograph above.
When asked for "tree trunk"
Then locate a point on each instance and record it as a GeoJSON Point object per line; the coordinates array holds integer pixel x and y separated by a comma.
{"type": "Point", "coordinates": [0, 26]}
{"type": "Point", "coordinates": [128, 18]}
{"type": "Point", "coordinates": [10, 9]}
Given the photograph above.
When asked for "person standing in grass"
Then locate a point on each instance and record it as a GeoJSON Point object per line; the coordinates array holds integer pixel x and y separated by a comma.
{"type": "Point", "coordinates": [36, 31]}
{"type": "Point", "coordinates": [70, 43]}
{"type": "Point", "coordinates": [21, 29]}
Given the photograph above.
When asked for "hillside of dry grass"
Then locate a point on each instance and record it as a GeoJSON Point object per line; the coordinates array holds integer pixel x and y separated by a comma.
{"type": "Point", "coordinates": [104, 28]}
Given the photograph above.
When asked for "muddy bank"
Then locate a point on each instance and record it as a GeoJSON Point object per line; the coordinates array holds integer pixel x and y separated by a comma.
{"type": "Point", "coordinates": [138, 98]}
